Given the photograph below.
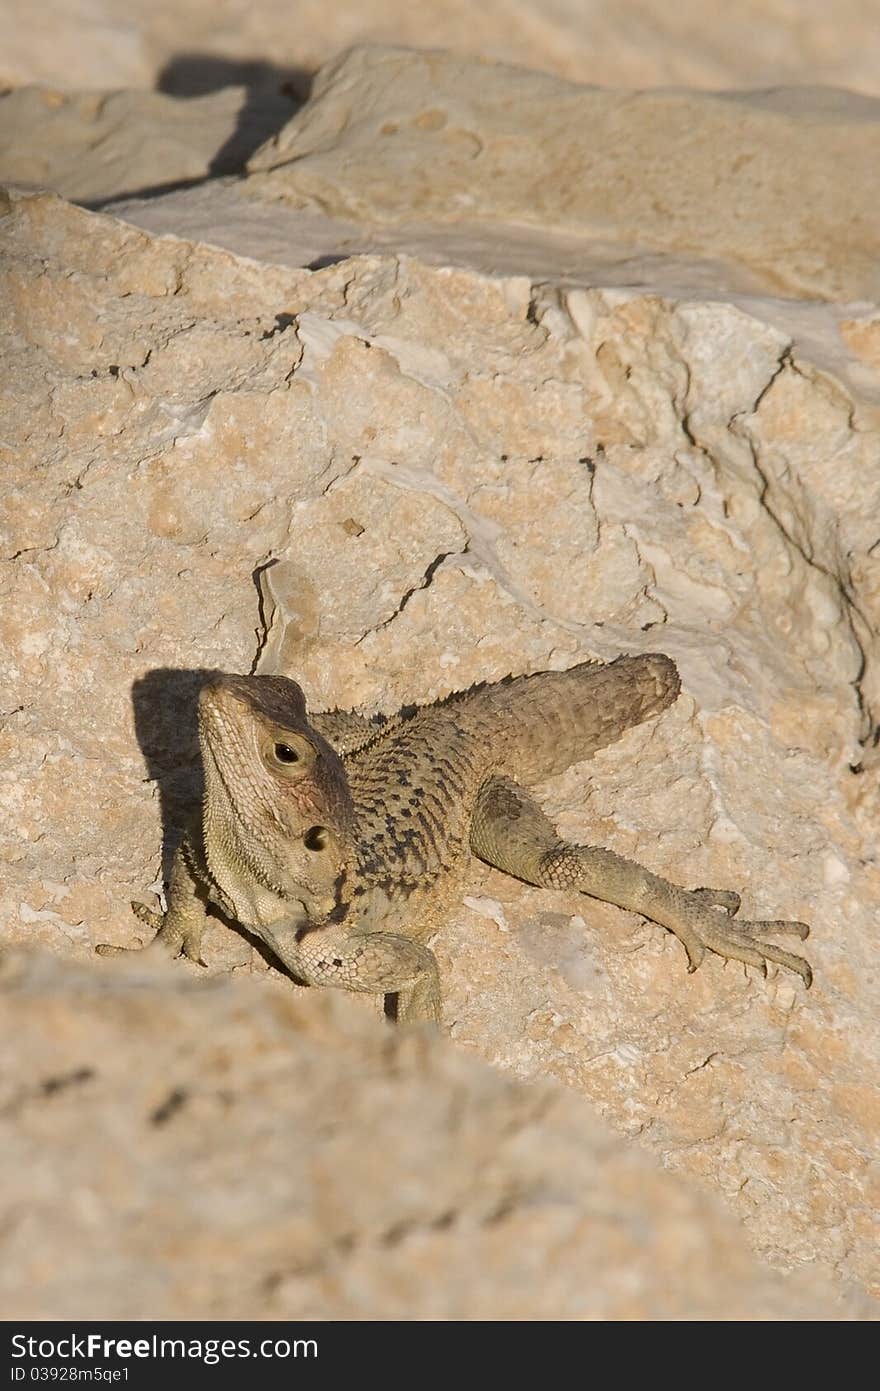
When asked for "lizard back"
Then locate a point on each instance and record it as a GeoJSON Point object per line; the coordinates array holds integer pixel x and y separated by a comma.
{"type": "Point", "coordinates": [414, 783]}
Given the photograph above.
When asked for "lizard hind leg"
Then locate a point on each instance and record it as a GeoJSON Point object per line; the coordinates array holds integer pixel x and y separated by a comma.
{"type": "Point", "coordinates": [509, 830]}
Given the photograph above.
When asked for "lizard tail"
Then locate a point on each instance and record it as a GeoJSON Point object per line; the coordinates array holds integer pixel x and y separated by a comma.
{"type": "Point", "coordinates": [556, 718]}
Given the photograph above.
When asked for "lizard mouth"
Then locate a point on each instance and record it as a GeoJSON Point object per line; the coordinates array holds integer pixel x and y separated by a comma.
{"type": "Point", "coordinates": [336, 916]}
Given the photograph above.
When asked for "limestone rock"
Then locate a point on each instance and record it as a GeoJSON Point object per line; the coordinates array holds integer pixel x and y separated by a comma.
{"type": "Point", "coordinates": [440, 475]}
{"type": "Point", "coordinates": [175, 1149]}
{"type": "Point", "coordinates": [92, 146]}
{"type": "Point", "coordinates": [501, 168]}
{"type": "Point", "coordinates": [772, 183]}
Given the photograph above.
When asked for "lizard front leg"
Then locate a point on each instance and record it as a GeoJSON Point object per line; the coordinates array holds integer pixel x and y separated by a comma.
{"type": "Point", "coordinates": [179, 930]}
{"type": "Point", "coordinates": [509, 830]}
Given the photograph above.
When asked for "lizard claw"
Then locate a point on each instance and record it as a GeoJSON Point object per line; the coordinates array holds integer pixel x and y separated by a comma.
{"type": "Point", "coordinates": [706, 926]}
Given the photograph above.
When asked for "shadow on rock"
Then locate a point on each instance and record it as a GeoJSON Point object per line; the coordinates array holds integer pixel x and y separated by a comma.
{"type": "Point", "coordinates": [273, 95]}
{"type": "Point", "coordinates": [165, 714]}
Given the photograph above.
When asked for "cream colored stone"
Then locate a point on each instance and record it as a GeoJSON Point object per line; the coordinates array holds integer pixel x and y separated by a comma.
{"type": "Point", "coordinates": [439, 139]}
{"type": "Point", "coordinates": [92, 146]}
{"type": "Point", "coordinates": [374, 429]}
{"type": "Point", "coordinates": [770, 183]}
{"type": "Point", "coordinates": [179, 1150]}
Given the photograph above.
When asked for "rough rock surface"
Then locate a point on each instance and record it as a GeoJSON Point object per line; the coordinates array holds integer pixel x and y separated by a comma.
{"type": "Point", "coordinates": [751, 192]}
{"type": "Point", "coordinates": [451, 474]}
{"type": "Point", "coordinates": [179, 1149]}
{"type": "Point", "coordinates": [772, 182]}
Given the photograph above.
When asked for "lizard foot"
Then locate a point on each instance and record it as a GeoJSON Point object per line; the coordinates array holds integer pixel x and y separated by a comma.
{"type": "Point", "coordinates": [704, 922]}
{"type": "Point", "coordinates": [379, 963]}
{"type": "Point", "coordinates": [169, 942]}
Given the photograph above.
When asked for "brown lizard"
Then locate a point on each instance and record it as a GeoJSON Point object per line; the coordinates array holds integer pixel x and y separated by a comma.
{"type": "Point", "coordinates": [343, 841]}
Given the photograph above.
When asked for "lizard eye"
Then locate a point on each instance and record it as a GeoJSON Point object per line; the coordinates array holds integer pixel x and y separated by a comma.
{"type": "Point", "coordinates": [316, 838]}
{"type": "Point", "coordinates": [289, 755]}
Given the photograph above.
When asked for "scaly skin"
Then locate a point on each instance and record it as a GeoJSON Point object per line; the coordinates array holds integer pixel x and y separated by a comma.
{"type": "Point", "coordinates": [343, 842]}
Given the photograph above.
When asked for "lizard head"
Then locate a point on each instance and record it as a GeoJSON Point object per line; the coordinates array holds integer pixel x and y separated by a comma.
{"type": "Point", "coordinates": [278, 817]}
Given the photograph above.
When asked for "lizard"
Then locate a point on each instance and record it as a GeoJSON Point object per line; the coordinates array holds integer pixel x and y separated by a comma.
{"type": "Point", "coordinates": [342, 840]}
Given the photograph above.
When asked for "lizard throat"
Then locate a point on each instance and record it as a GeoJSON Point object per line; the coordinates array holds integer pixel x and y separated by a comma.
{"type": "Point", "coordinates": [228, 854]}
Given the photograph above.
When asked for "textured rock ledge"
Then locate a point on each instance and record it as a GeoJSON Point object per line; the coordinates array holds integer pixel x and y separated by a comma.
{"type": "Point", "coordinates": [771, 183]}
{"type": "Point", "coordinates": [92, 146]}
{"type": "Point", "coordinates": [182, 1150]}
{"type": "Point", "coordinates": [463, 451]}
{"type": "Point", "coordinates": [458, 475]}
{"type": "Point", "coordinates": [749, 192]}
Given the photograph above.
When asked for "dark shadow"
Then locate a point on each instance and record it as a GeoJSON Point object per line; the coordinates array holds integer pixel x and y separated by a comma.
{"type": "Point", "coordinates": [282, 323]}
{"type": "Point", "coordinates": [330, 259]}
{"type": "Point", "coordinates": [272, 96]}
{"type": "Point", "coordinates": [197, 74]}
{"type": "Point", "coordinates": [165, 703]}
{"type": "Point", "coordinates": [96, 205]}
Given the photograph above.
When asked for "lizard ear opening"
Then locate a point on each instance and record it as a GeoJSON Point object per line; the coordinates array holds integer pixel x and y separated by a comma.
{"type": "Point", "coordinates": [316, 838]}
